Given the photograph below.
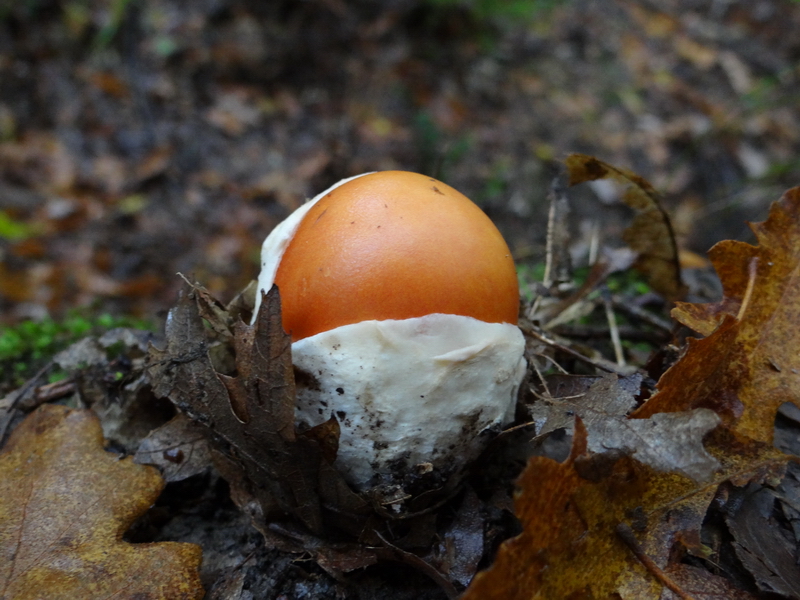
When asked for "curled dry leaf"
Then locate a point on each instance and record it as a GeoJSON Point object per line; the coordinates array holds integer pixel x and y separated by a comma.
{"type": "Point", "coordinates": [650, 234]}
{"type": "Point", "coordinates": [252, 413]}
{"type": "Point", "coordinates": [748, 365]}
{"type": "Point", "coordinates": [64, 505]}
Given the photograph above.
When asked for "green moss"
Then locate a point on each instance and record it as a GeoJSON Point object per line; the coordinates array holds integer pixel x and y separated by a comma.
{"type": "Point", "coordinates": [13, 230]}
{"type": "Point", "coordinates": [502, 9]}
{"type": "Point", "coordinates": [628, 283]}
{"type": "Point", "coordinates": [27, 346]}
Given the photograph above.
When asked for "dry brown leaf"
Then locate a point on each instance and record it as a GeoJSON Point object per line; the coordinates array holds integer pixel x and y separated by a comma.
{"type": "Point", "coordinates": [253, 412]}
{"type": "Point", "coordinates": [764, 552]}
{"type": "Point", "coordinates": [667, 442]}
{"type": "Point", "coordinates": [180, 448]}
{"type": "Point", "coordinates": [650, 234]}
{"type": "Point", "coordinates": [748, 365]}
{"type": "Point", "coordinates": [461, 546]}
{"type": "Point", "coordinates": [64, 505]}
{"type": "Point", "coordinates": [571, 513]}
{"type": "Point", "coordinates": [699, 584]}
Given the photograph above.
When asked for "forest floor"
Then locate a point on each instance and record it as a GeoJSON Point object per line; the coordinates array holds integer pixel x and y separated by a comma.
{"type": "Point", "coordinates": [140, 141]}
{"type": "Point", "coordinates": [160, 137]}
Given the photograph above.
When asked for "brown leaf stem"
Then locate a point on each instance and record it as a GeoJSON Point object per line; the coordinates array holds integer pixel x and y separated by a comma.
{"type": "Point", "coordinates": [626, 534]}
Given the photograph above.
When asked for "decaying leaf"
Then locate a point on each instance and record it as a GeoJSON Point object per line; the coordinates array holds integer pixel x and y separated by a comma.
{"type": "Point", "coordinates": [571, 514]}
{"type": "Point", "coordinates": [749, 364]}
{"type": "Point", "coordinates": [699, 584]}
{"type": "Point", "coordinates": [274, 470]}
{"type": "Point", "coordinates": [64, 505]}
{"type": "Point", "coordinates": [180, 448]}
{"type": "Point", "coordinates": [768, 557]}
{"type": "Point", "coordinates": [461, 547]}
{"type": "Point", "coordinates": [252, 413]}
{"type": "Point", "coordinates": [666, 442]}
{"type": "Point", "coordinates": [650, 234]}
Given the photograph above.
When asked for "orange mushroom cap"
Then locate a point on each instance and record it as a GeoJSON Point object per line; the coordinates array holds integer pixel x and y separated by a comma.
{"type": "Point", "coordinates": [394, 245]}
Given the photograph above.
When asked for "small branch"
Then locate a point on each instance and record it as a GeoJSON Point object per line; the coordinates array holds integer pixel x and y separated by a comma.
{"type": "Point", "coordinates": [626, 534]}
{"type": "Point", "coordinates": [626, 332]}
{"type": "Point", "coordinates": [612, 326]}
{"type": "Point", "coordinates": [752, 269]}
{"type": "Point", "coordinates": [576, 355]}
{"type": "Point", "coordinates": [625, 306]}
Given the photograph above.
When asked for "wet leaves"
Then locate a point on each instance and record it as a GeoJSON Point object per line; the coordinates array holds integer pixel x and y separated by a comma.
{"type": "Point", "coordinates": [629, 520]}
{"type": "Point", "coordinates": [630, 505]}
{"type": "Point", "coordinates": [748, 365]}
{"type": "Point", "coordinates": [770, 559]}
{"type": "Point", "coordinates": [64, 505]}
{"type": "Point", "coordinates": [666, 442]}
{"type": "Point", "coordinates": [573, 514]}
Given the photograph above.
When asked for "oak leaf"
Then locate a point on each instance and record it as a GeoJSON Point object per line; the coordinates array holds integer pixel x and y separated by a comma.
{"type": "Point", "coordinates": [251, 414]}
{"type": "Point", "coordinates": [748, 365]}
{"type": "Point", "coordinates": [64, 505]}
{"type": "Point", "coordinates": [572, 514]}
{"type": "Point", "coordinates": [665, 441]}
{"type": "Point", "coordinates": [594, 530]}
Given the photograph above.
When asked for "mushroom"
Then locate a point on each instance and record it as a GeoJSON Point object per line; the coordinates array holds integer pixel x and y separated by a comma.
{"type": "Point", "coordinates": [402, 299]}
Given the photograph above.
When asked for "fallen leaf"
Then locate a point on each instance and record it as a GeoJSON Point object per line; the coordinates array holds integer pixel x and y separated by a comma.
{"type": "Point", "coordinates": [64, 505]}
{"type": "Point", "coordinates": [748, 365]}
{"type": "Point", "coordinates": [667, 442]}
{"type": "Point", "coordinates": [650, 234]}
{"type": "Point", "coordinates": [179, 448]}
{"type": "Point", "coordinates": [699, 584]}
{"type": "Point", "coordinates": [251, 413]}
{"type": "Point", "coordinates": [462, 544]}
{"type": "Point", "coordinates": [761, 546]}
{"type": "Point", "coordinates": [571, 514]}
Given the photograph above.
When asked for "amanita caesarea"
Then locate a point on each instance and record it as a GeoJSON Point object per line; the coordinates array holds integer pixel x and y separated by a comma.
{"type": "Point", "coordinates": [401, 298]}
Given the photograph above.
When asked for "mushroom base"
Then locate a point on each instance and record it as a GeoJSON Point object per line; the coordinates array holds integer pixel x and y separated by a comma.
{"type": "Point", "coordinates": [417, 399]}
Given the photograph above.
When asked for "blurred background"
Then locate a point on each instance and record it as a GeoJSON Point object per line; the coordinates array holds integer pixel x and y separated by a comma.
{"type": "Point", "coordinates": [139, 139]}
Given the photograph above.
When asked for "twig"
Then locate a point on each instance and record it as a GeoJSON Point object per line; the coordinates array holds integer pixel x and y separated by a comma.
{"type": "Point", "coordinates": [391, 552]}
{"type": "Point", "coordinates": [570, 351]}
{"type": "Point", "coordinates": [54, 391]}
{"type": "Point", "coordinates": [541, 378]}
{"type": "Point", "coordinates": [752, 269]}
{"type": "Point", "coordinates": [594, 242]}
{"type": "Point", "coordinates": [626, 535]}
{"type": "Point", "coordinates": [625, 306]}
{"type": "Point", "coordinates": [612, 327]}
{"type": "Point", "coordinates": [12, 399]}
{"type": "Point", "coordinates": [626, 332]}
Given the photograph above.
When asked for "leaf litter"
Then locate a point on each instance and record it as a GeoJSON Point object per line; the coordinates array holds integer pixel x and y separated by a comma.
{"type": "Point", "coordinates": [665, 441]}
{"type": "Point", "coordinates": [629, 526]}
{"type": "Point", "coordinates": [65, 503]}
{"type": "Point", "coordinates": [648, 487]}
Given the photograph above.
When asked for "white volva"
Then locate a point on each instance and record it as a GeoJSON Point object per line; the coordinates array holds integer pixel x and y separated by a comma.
{"type": "Point", "coordinates": [409, 392]}
{"type": "Point", "coordinates": [421, 390]}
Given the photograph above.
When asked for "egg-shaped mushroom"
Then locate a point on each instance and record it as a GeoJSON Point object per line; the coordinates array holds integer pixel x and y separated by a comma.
{"type": "Point", "coordinates": [401, 297]}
